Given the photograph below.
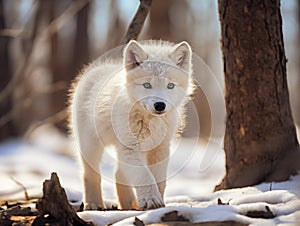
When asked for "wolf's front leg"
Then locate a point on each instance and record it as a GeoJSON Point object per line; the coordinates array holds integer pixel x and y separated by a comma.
{"type": "Point", "coordinates": [134, 166]}
{"type": "Point", "coordinates": [157, 161]}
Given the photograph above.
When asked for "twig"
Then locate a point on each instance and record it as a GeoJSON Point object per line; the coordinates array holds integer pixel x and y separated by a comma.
{"type": "Point", "coordinates": [60, 21]}
{"type": "Point", "coordinates": [57, 117]}
{"type": "Point", "coordinates": [6, 118]}
{"type": "Point", "coordinates": [53, 27]}
{"type": "Point", "coordinates": [14, 31]}
{"type": "Point", "coordinates": [261, 214]}
{"type": "Point", "coordinates": [18, 211]}
{"type": "Point", "coordinates": [23, 66]}
{"type": "Point", "coordinates": [52, 88]}
{"type": "Point", "coordinates": [21, 185]}
{"type": "Point", "coordinates": [18, 202]}
{"type": "Point", "coordinates": [138, 21]}
{"type": "Point", "coordinates": [11, 33]}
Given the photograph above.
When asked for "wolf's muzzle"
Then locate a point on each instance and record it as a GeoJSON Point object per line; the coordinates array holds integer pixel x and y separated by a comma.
{"type": "Point", "coordinates": [159, 106]}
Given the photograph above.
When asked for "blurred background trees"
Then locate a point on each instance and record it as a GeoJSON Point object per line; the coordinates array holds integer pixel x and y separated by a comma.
{"type": "Point", "coordinates": [45, 43]}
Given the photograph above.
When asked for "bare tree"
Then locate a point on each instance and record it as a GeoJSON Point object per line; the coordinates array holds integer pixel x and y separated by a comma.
{"type": "Point", "coordinates": [297, 118]}
{"type": "Point", "coordinates": [63, 71]}
{"type": "Point", "coordinates": [7, 127]}
{"type": "Point", "coordinates": [260, 140]}
{"type": "Point", "coordinates": [81, 53]}
{"type": "Point", "coordinates": [160, 20]}
{"type": "Point", "coordinates": [55, 58]}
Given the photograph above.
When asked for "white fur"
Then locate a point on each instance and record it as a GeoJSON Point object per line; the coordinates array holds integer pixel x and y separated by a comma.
{"type": "Point", "coordinates": [110, 106]}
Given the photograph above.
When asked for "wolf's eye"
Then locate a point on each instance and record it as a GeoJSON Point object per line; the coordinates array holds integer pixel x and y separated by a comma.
{"type": "Point", "coordinates": [171, 85]}
{"type": "Point", "coordinates": [147, 85]}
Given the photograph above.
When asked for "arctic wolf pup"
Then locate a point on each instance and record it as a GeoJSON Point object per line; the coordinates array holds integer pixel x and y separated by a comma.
{"type": "Point", "coordinates": [137, 105]}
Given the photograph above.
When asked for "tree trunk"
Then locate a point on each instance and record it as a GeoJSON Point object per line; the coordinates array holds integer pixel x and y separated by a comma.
{"type": "Point", "coordinates": [160, 21]}
{"type": "Point", "coordinates": [7, 128]}
{"type": "Point", "coordinates": [81, 53]}
{"type": "Point", "coordinates": [57, 62]}
{"type": "Point", "coordinates": [260, 139]}
{"type": "Point", "coordinates": [298, 56]}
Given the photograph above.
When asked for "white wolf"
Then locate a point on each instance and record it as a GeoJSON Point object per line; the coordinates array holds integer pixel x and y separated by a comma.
{"type": "Point", "coordinates": [137, 105]}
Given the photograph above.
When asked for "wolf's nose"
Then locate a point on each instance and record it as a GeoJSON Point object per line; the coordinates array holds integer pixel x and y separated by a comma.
{"type": "Point", "coordinates": [159, 106]}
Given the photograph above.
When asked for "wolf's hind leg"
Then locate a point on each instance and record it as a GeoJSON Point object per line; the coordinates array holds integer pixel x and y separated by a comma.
{"type": "Point", "coordinates": [124, 191]}
{"type": "Point", "coordinates": [92, 183]}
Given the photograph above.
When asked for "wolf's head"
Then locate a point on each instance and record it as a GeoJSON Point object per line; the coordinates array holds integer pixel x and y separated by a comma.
{"type": "Point", "coordinates": [158, 74]}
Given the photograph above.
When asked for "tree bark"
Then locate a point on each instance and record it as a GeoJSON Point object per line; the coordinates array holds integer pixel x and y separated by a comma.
{"type": "Point", "coordinates": [138, 21]}
{"type": "Point", "coordinates": [6, 107]}
{"type": "Point", "coordinates": [54, 207]}
{"type": "Point", "coordinates": [298, 56]}
{"type": "Point", "coordinates": [160, 21]}
{"type": "Point", "coordinates": [81, 54]}
{"type": "Point", "coordinates": [260, 138]}
{"type": "Point", "coordinates": [57, 63]}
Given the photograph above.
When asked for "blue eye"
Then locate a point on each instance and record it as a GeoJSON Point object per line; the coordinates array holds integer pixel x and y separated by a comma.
{"type": "Point", "coordinates": [147, 85]}
{"type": "Point", "coordinates": [171, 85]}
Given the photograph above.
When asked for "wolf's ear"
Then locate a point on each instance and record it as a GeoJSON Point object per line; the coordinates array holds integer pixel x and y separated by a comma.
{"type": "Point", "coordinates": [133, 55]}
{"type": "Point", "coordinates": [182, 56]}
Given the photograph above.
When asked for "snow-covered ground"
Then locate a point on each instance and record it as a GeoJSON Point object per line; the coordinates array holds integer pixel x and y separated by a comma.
{"type": "Point", "coordinates": [194, 171]}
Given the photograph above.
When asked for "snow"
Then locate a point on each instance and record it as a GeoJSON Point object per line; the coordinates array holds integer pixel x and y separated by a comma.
{"type": "Point", "coordinates": [189, 187]}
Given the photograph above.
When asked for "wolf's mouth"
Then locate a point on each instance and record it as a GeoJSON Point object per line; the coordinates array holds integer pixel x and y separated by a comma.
{"type": "Point", "coordinates": [158, 112]}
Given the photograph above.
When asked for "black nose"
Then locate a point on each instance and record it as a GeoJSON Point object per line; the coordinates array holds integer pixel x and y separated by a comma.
{"type": "Point", "coordinates": [159, 106]}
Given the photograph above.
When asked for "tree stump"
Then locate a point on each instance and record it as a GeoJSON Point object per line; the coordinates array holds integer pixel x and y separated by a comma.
{"type": "Point", "coordinates": [54, 206]}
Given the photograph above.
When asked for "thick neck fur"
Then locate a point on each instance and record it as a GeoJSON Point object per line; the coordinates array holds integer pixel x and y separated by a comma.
{"type": "Point", "coordinates": [139, 121]}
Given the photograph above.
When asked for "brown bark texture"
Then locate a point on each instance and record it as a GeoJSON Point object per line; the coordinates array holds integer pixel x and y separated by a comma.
{"type": "Point", "coordinates": [298, 94]}
{"type": "Point", "coordinates": [80, 56]}
{"type": "Point", "coordinates": [138, 21]}
{"type": "Point", "coordinates": [260, 138]}
{"type": "Point", "coordinates": [54, 207]}
{"type": "Point", "coordinates": [7, 128]}
{"type": "Point", "coordinates": [160, 26]}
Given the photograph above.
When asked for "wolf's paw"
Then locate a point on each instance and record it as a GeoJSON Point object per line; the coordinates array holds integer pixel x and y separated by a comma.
{"type": "Point", "coordinates": [151, 202]}
{"type": "Point", "coordinates": [93, 206]}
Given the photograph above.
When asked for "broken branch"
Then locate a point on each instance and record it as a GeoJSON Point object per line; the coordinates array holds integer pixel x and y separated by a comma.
{"type": "Point", "coordinates": [138, 21]}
